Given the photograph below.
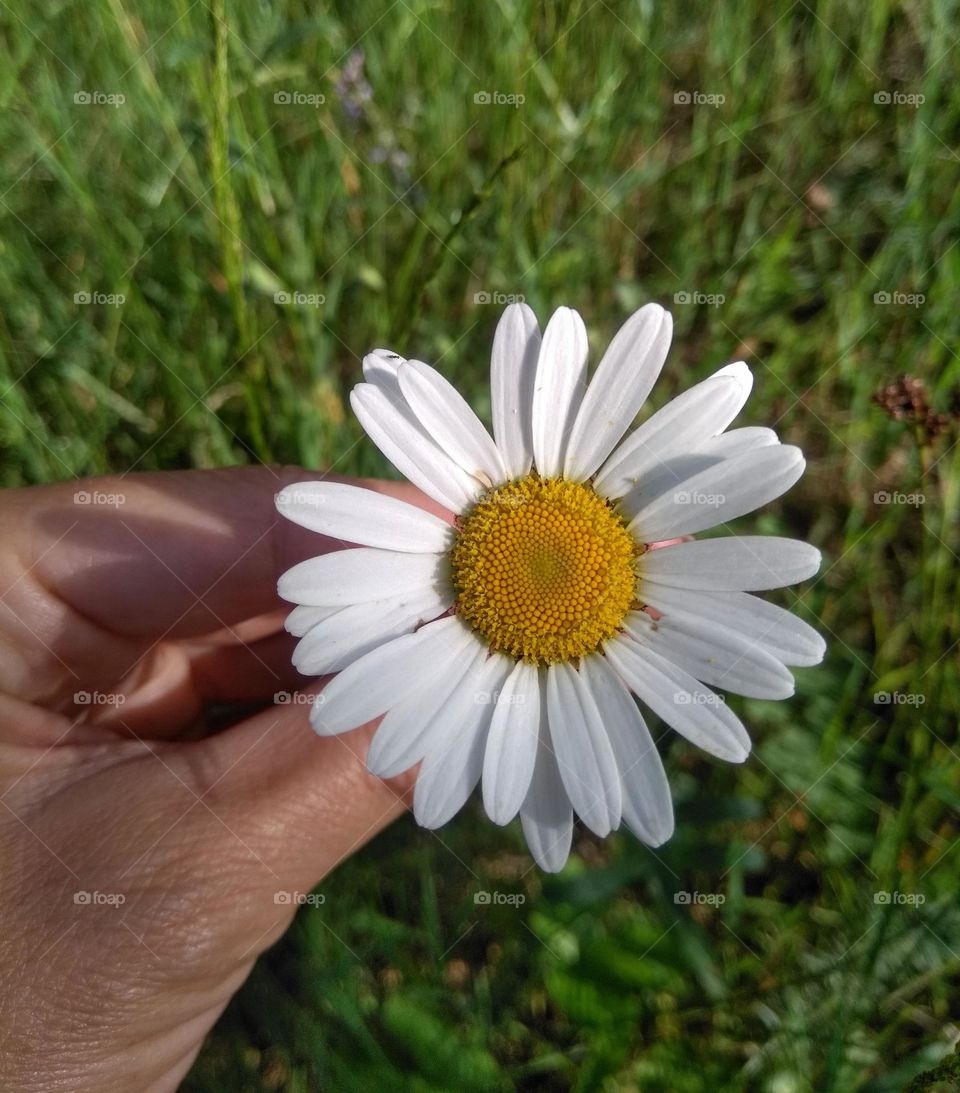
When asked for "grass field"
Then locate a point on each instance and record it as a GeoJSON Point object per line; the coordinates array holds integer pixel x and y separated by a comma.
{"type": "Point", "coordinates": [211, 210]}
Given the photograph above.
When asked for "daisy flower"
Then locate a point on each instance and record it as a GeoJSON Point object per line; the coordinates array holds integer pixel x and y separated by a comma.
{"type": "Point", "coordinates": [512, 647]}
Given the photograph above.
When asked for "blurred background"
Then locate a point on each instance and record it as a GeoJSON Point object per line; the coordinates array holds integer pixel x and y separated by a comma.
{"type": "Point", "coordinates": [212, 210]}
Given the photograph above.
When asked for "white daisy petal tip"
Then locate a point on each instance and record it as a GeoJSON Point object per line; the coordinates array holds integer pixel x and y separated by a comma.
{"type": "Point", "coordinates": [519, 311]}
{"type": "Point", "coordinates": [623, 379]}
{"type": "Point", "coordinates": [740, 372]}
{"type": "Point", "coordinates": [662, 834]}
{"type": "Point", "coordinates": [558, 389]}
{"type": "Point", "coordinates": [818, 651]}
{"type": "Point", "coordinates": [513, 369]}
{"type": "Point", "coordinates": [738, 756]}
{"type": "Point", "coordinates": [448, 419]}
{"type": "Point", "coordinates": [380, 365]}
{"type": "Point", "coordinates": [393, 427]}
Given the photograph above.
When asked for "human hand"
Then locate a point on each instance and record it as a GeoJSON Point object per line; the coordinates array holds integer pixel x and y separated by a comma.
{"type": "Point", "coordinates": [145, 853]}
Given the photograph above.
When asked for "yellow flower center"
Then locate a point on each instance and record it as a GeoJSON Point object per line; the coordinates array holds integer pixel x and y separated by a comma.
{"type": "Point", "coordinates": [544, 569]}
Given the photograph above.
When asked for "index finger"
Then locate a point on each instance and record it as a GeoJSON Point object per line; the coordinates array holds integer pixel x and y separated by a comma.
{"type": "Point", "coordinates": [179, 553]}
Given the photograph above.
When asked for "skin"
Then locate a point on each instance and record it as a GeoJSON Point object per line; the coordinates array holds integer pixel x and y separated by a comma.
{"type": "Point", "coordinates": [167, 599]}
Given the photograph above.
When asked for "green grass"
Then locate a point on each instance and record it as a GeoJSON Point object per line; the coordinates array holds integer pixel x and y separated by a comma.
{"type": "Point", "coordinates": [797, 199]}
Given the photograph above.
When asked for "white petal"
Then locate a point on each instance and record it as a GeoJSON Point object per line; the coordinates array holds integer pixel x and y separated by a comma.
{"type": "Point", "coordinates": [720, 493]}
{"type": "Point", "coordinates": [546, 816]}
{"type": "Point", "coordinates": [385, 676]}
{"type": "Point", "coordinates": [781, 633]}
{"type": "Point", "coordinates": [449, 773]}
{"type": "Point", "coordinates": [561, 377]}
{"type": "Point", "coordinates": [620, 385]}
{"type": "Point", "coordinates": [513, 372]}
{"type": "Point", "coordinates": [742, 374]}
{"type": "Point", "coordinates": [512, 744]}
{"type": "Point", "coordinates": [363, 516]}
{"type": "Point", "coordinates": [340, 639]}
{"type": "Point", "coordinates": [647, 806]}
{"type": "Point", "coordinates": [692, 710]}
{"type": "Point", "coordinates": [727, 445]}
{"type": "Point", "coordinates": [686, 421]}
{"type": "Point", "coordinates": [380, 366]}
{"type": "Point", "coordinates": [585, 758]}
{"type": "Point", "coordinates": [452, 425]}
{"type": "Point", "coordinates": [721, 658]}
{"type": "Point", "coordinates": [666, 475]}
{"type": "Point", "coordinates": [304, 618]}
{"type": "Point", "coordinates": [742, 563]}
{"type": "Point", "coordinates": [423, 719]}
{"type": "Point", "coordinates": [359, 575]}
{"type": "Point", "coordinates": [663, 479]}
{"type": "Point", "coordinates": [390, 424]}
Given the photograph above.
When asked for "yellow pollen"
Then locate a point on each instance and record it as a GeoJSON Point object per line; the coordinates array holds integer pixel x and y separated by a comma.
{"type": "Point", "coordinates": [543, 569]}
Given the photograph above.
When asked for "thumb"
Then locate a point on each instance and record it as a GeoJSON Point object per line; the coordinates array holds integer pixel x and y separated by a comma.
{"type": "Point", "coordinates": [293, 803]}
